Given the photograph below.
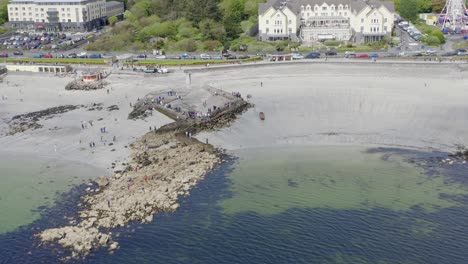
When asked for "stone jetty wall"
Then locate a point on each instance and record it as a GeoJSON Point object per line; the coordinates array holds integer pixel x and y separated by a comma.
{"type": "Point", "coordinates": [165, 165]}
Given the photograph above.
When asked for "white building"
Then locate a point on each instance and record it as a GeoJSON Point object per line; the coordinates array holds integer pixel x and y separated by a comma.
{"type": "Point", "coordinates": [57, 15]}
{"type": "Point", "coordinates": [315, 20]}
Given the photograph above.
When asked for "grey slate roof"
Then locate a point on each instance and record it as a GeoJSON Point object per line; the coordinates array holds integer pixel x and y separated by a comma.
{"type": "Point", "coordinates": [295, 5]}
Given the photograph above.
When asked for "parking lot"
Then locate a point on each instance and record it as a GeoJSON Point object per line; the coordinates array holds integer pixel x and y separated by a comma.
{"type": "Point", "coordinates": [44, 41]}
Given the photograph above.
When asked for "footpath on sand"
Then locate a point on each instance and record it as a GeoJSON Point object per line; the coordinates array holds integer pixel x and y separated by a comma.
{"type": "Point", "coordinates": [165, 165]}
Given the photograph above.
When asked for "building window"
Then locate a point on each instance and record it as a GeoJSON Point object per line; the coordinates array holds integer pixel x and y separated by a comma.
{"type": "Point", "coordinates": [339, 13]}
{"type": "Point", "coordinates": [267, 30]}
{"type": "Point", "coordinates": [345, 13]}
{"type": "Point", "coordinates": [290, 30]}
{"type": "Point", "coordinates": [385, 20]}
{"type": "Point", "coordinates": [42, 9]}
{"type": "Point", "coordinates": [308, 14]}
{"type": "Point", "coordinates": [69, 20]}
{"type": "Point", "coordinates": [385, 28]}
{"type": "Point", "coordinates": [362, 20]}
{"type": "Point", "coordinates": [324, 8]}
{"type": "Point", "coordinates": [362, 29]}
{"type": "Point", "coordinates": [266, 22]}
{"type": "Point", "coordinates": [290, 21]}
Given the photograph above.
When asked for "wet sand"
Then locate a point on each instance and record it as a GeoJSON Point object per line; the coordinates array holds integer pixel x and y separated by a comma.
{"type": "Point", "coordinates": [405, 105]}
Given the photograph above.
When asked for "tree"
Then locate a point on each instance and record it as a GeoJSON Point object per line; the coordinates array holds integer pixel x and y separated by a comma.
{"type": "Point", "coordinates": [211, 30]}
{"type": "Point", "coordinates": [409, 10]}
{"type": "Point", "coordinates": [437, 6]}
{"type": "Point", "coordinates": [233, 18]}
{"type": "Point", "coordinates": [425, 6]}
{"type": "Point", "coordinates": [113, 20]}
{"type": "Point", "coordinates": [3, 13]}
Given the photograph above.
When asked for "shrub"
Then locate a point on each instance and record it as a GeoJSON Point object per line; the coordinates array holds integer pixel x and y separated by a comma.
{"type": "Point", "coordinates": [432, 41]}
{"type": "Point", "coordinates": [212, 45]}
{"type": "Point", "coordinates": [439, 35]}
{"type": "Point", "coordinates": [332, 43]}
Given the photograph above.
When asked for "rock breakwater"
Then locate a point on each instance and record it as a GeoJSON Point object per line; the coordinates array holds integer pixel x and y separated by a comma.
{"type": "Point", "coordinates": [166, 164]}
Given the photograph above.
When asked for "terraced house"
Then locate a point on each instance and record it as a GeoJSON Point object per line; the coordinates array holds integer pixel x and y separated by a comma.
{"type": "Point", "coordinates": [317, 20]}
{"type": "Point", "coordinates": [57, 15]}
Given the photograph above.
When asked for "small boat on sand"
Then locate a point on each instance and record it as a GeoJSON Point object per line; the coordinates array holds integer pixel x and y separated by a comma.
{"type": "Point", "coordinates": [262, 116]}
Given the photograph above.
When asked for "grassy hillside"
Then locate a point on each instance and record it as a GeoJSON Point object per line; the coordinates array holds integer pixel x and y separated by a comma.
{"type": "Point", "coordinates": [184, 25]}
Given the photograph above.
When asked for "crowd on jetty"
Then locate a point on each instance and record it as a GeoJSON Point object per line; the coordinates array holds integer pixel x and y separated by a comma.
{"type": "Point", "coordinates": [166, 163]}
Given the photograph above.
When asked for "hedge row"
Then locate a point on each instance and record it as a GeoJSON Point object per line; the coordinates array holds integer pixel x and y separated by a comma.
{"type": "Point", "coordinates": [188, 62]}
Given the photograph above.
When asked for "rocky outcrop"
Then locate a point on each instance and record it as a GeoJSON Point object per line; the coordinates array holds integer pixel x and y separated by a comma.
{"type": "Point", "coordinates": [80, 85]}
{"type": "Point", "coordinates": [163, 169]}
{"type": "Point", "coordinates": [166, 164]}
{"type": "Point", "coordinates": [29, 121]}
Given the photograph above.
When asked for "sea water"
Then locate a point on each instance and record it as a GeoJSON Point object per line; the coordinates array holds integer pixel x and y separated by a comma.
{"type": "Point", "coordinates": [328, 204]}
{"type": "Point", "coordinates": [30, 184]}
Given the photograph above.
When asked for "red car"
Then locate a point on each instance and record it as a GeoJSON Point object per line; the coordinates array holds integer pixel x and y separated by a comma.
{"type": "Point", "coordinates": [363, 56]}
{"type": "Point", "coordinates": [48, 56]}
{"type": "Point", "coordinates": [3, 55]}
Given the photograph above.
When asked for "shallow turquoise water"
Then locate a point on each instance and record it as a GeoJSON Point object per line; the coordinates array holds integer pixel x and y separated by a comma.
{"type": "Point", "coordinates": [423, 221]}
{"type": "Point", "coordinates": [29, 183]}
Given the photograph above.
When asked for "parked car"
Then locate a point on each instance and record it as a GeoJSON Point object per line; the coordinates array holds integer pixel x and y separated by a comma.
{"type": "Point", "coordinates": [95, 56]}
{"type": "Point", "coordinates": [187, 56]}
{"type": "Point", "coordinates": [243, 57]}
{"type": "Point", "coordinates": [3, 55]}
{"type": "Point", "coordinates": [331, 53]}
{"type": "Point", "coordinates": [71, 55]}
{"type": "Point", "coordinates": [431, 52]}
{"type": "Point", "coordinates": [363, 56]}
{"type": "Point", "coordinates": [48, 56]}
{"type": "Point", "coordinates": [161, 57]}
{"type": "Point", "coordinates": [350, 54]}
{"type": "Point", "coordinates": [18, 53]}
{"type": "Point", "coordinates": [231, 57]}
{"type": "Point", "coordinates": [297, 56]}
{"type": "Point", "coordinates": [204, 56]}
{"type": "Point", "coordinates": [374, 55]}
{"type": "Point", "coordinates": [141, 56]}
{"type": "Point", "coordinates": [450, 53]}
{"type": "Point", "coordinates": [82, 55]}
{"type": "Point", "coordinates": [218, 57]}
{"type": "Point", "coordinates": [313, 55]}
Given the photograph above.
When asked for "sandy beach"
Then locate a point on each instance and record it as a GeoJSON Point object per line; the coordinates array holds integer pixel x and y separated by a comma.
{"type": "Point", "coordinates": [61, 135]}
{"type": "Point", "coordinates": [385, 104]}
